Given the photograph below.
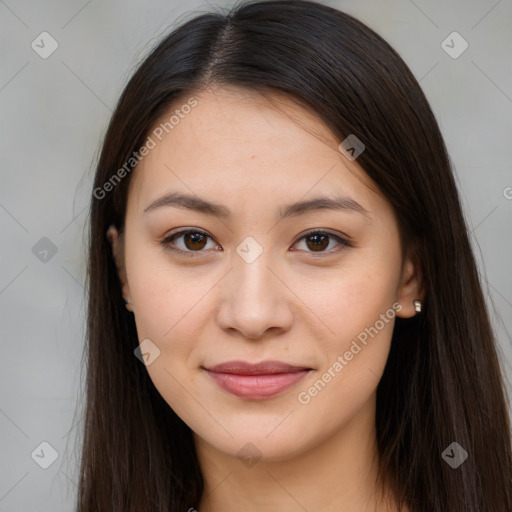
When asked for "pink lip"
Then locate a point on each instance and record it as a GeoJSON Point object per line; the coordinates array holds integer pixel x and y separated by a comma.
{"type": "Point", "coordinates": [261, 380]}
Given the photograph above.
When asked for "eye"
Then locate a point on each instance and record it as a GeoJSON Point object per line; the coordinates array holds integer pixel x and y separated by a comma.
{"type": "Point", "coordinates": [319, 240]}
{"type": "Point", "coordinates": [195, 240]}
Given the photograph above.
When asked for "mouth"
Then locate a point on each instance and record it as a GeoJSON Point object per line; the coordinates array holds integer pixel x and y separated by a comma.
{"type": "Point", "coordinates": [256, 381]}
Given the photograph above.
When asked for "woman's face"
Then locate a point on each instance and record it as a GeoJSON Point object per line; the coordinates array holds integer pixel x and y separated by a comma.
{"type": "Point", "coordinates": [251, 283]}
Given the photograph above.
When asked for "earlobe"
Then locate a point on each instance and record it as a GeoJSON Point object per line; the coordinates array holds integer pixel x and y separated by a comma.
{"type": "Point", "coordinates": [116, 242]}
{"type": "Point", "coordinates": [411, 293]}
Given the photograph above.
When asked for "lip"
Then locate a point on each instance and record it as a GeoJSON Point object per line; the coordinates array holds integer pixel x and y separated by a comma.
{"type": "Point", "coordinates": [256, 381]}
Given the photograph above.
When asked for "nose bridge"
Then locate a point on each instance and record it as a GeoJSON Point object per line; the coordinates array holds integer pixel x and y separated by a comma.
{"type": "Point", "coordinates": [253, 283]}
{"type": "Point", "coordinates": [254, 300]}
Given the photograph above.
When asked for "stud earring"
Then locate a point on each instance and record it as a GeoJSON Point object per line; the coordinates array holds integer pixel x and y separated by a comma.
{"type": "Point", "coordinates": [417, 306]}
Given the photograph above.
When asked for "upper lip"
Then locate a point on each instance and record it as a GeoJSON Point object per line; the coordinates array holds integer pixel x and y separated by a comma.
{"type": "Point", "coordinates": [261, 368]}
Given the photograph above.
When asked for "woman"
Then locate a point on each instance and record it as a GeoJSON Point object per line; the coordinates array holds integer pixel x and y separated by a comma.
{"type": "Point", "coordinates": [284, 307]}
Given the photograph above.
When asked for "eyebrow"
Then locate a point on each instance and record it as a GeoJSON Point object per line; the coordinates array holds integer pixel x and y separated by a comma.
{"type": "Point", "coordinates": [200, 205]}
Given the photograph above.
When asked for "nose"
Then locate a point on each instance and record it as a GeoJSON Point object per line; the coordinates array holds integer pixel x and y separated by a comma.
{"type": "Point", "coordinates": [255, 299]}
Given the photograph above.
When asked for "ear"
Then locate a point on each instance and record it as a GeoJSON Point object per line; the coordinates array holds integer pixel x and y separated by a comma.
{"type": "Point", "coordinates": [117, 242]}
{"type": "Point", "coordinates": [411, 285]}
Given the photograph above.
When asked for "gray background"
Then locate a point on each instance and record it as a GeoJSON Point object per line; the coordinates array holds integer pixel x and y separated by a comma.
{"type": "Point", "coordinates": [54, 112]}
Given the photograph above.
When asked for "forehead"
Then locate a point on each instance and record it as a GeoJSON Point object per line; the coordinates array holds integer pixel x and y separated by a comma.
{"type": "Point", "coordinates": [234, 141]}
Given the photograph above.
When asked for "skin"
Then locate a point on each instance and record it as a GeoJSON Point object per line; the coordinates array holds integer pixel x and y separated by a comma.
{"type": "Point", "coordinates": [291, 304]}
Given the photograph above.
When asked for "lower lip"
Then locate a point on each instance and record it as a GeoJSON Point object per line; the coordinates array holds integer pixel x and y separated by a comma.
{"type": "Point", "coordinates": [256, 386]}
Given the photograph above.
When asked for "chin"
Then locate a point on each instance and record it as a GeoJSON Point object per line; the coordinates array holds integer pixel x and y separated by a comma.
{"type": "Point", "coordinates": [264, 444]}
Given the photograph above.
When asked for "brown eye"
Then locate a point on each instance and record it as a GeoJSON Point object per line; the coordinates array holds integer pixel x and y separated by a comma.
{"type": "Point", "coordinates": [193, 241]}
{"type": "Point", "coordinates": [318, 241]}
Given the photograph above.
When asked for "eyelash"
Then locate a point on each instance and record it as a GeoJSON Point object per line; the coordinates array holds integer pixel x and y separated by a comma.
{"type": "Point", "coordinates": [166, 242]}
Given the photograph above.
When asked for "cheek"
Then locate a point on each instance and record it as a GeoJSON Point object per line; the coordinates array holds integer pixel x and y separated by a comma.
{"type": "Point", "coordinates": [354, 360]}
{"type": "Point", "coordinates": [346, 303]}
{"type": "Point", "coordinates": [171, 309]}
{"type": "Point", "coordinates": [166, 296]}
{"type": "Point", "coordinates": [358, 317]}
{"type": "Point", "coordinates": [167, 309]}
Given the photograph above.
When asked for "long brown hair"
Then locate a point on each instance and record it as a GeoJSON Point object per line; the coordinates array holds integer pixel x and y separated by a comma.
{"type": "Point", "coordinates": [442, 382]}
